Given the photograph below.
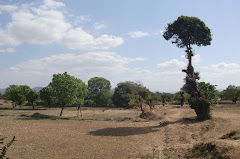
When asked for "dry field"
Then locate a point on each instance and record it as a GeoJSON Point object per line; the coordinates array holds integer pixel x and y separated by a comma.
{"type": "Point", "coordinates": [119, 133]}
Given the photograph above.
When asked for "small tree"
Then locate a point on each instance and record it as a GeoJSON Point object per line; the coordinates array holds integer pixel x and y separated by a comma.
{"type": "Point", "coordinates": [181, 97]}
{"type": "Point", "coordinates": [166, 97]}
{"type": "Point", "coordinates": [231, 93]}
{"type": "Point", "coordinates": [185, 32]}
{"type": "Point", "coordinates": [205, 100]}
{"type": "Point", "coordinates": [32, 96]}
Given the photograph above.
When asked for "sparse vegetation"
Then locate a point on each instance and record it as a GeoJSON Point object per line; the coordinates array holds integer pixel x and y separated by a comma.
{"type": "Point", "coordinates": [154, 155]}
{"type": "Point", "coordinates": [5, 148]}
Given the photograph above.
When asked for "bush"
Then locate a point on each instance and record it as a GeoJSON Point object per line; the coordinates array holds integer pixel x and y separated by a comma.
{"type": "Point", "coordinates": [203, 102]}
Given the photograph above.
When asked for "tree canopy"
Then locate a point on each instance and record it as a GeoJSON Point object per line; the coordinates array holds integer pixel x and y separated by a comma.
{"type": "Point", "coordinates": [65, 89]}
{"type": "Point", "coordinates": [47, 95]}
{"type": "Point", "coordinates": [129, 94]}
{"type": "Point", "coordinates": [17, 94]}
{"type": "Point", "coordinates": [99, 91]}
{"type": "Point", "coordinates": [186, 31]}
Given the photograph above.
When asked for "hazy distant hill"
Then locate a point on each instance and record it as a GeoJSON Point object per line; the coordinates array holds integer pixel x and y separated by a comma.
{"type": "Point", "coordinates": [37, 89]}
{"type": "Point", "coordinates": [2, 91]}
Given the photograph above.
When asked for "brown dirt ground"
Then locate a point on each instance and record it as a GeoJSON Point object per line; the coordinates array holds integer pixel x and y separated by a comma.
{"type": "Point", "coordinates": [119, 133]}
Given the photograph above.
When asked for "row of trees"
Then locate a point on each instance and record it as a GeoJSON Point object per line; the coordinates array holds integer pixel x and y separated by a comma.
{"type": "Point", "coordinates": [65, 90]}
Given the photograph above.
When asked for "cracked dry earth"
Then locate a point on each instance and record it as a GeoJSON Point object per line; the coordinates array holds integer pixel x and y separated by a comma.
{"type": "Point", "coordinates": [119, 133]}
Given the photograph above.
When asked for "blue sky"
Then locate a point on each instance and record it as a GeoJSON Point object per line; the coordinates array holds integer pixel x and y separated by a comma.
{"type": "Point", "coordinates": [118, 40]}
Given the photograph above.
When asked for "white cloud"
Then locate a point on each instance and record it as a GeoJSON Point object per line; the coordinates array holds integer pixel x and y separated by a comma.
{"type": "Point", "coordinates": [138, 34]}
{"type": "Point", "coordinates": [99, 26]}
{"type": "Point", "coordinates": [7, 8]}
{"type": "Point", "coordinates": [52, 4]}
{"type": "Point", "coordinates": [37, 26]}
{"type": "Point", "coordinates": [79, 39]}
{"type": "Point", "coordinates": [196, 58]}
{"type": "Point", "coordinates": [47, 24]}
{"type": "Point", "coordinates": [7, 50]}
{"type": "Point", "coordinates": [225, 67]}
{"type": "Point", "coordinates": [85, 66]}
{"type": "Point", "coordinates": [173, 64]}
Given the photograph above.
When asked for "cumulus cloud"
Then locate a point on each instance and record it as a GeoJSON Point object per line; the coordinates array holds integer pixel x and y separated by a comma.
{"type": "Point", "coordinates": [138, 34]}
{"type": "Point", "coordinates": [46, 24]}
{"type": "Point", "coordinates": [173, 64]}
{"type": "Point", "coordinates": [109, 65]}
{"type": "Point", "coordinates": [79, 39]}
{"type": "Point", "coordinates": [81, 65]}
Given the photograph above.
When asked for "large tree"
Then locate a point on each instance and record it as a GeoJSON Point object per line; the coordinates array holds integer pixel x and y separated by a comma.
{"type": "Point", "coordinates": [65, 89]}
{"type": "Point", "coordinates": [99, 91]}
{"type": "Point", "coordinates": [185, 32]}
{"type": "Point", "coordinates": [17, 94]}
{"type": "Point", "coordinates": [130, 94]}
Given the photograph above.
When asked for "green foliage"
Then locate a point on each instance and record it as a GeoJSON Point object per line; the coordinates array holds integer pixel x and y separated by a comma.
{"type": "Point", "coordinates": [99, 91]}
{"type": "Point", "coordinates": [17, 94]}
{"type": "Point", "coordinates": [130, 94]}
{"type": "Point", "coordinates": [203, 102]}
{"type": "Point", "coordinates": [188, 31]}
{"type": "Point", "coordinates": [81, 91]}
{"type": "Point", "coordinates": [32, 96]}
{"type": "Point", "coordinates": [65, 89]}
{"type": "Point", "coordinates": [47, 95]}
{"type": "Point", "coordinates": [231, 93]}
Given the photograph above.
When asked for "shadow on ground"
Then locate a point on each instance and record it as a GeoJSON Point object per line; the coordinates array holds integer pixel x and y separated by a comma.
{"type": "Point", "coordinates": [127, 131]}
{"type": "Point", "coordinates": [23, 109]}
{"type": "Point", "coordinates": [124, 131]}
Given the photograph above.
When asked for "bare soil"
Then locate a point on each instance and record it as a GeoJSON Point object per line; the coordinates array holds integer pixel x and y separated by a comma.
{"type": "Point", "coordinates": [119, 133]}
